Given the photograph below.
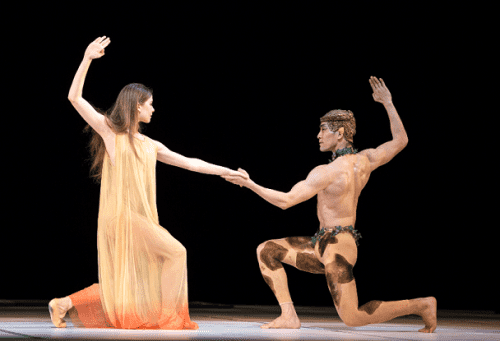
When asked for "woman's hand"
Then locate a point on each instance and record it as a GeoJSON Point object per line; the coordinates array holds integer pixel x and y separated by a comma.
{"type": "Point", "coordinates": [240, 173]}
{"type": "Point", "coordinates": [240, 178]}
{"type": "Point", "coordinates": [96, 48]}
{"type": "Point", "coordinates": [380, 92]}
{"type": "Point", "coordinates": [87, 111]}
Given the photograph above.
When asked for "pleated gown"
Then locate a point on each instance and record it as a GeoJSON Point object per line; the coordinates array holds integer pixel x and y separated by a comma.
{"type": "Point", "coordinates": [142, 268]}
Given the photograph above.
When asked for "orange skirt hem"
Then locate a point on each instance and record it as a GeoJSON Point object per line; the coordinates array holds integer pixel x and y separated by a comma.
{"type": "Point", "coordinates": [87, 312]}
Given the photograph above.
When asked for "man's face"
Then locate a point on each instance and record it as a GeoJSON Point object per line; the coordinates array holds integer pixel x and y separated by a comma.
{"type": "Point", "coordinates": [327, 139]}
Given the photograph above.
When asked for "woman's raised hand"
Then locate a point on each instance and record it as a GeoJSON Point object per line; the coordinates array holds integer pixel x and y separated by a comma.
{"type": "Point", "coordinates": [96, 48]}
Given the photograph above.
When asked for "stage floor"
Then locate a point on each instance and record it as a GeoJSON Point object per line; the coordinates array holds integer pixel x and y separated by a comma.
{"type": "Point", "coordinates": [243, 323]}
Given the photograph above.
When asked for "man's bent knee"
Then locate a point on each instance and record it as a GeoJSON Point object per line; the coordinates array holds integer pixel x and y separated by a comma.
{"type": "Point", "coordinates": [351, 321]}
{"type": "Point", "coordinates": [260, 248]}
{"type": "Point", "coordinates": [353, 317]}
{"type": "Point", "coordinates": [271, 254]}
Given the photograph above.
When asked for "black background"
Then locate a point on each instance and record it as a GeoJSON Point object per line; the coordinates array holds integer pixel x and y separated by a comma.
{"type": "Point", "coordinates": [244, 86]}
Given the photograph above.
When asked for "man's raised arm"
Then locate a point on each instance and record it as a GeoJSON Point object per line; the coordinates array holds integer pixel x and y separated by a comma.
{"type": "Point", "coordinates": [388, 150]}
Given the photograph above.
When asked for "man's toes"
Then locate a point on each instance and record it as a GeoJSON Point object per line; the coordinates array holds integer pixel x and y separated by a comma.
{"type": "Point", "coordinates": [267, 325]}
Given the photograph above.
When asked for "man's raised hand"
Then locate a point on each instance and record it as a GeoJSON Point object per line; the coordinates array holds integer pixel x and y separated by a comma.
{"type": "Point", "coordinates": [380, 92]}
{"type": "Point", "coordinates": [96, 48]}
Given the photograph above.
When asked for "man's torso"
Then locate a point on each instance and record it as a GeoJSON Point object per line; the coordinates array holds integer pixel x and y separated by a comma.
{"type": "Point", "coordinates": [338, 201]}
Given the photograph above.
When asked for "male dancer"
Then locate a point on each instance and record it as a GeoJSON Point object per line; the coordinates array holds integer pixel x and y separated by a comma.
{"type": "Point", "coordinates": [333, 249]}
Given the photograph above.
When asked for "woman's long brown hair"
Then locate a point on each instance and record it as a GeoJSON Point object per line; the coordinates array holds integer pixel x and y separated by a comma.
{"type": "Point", "coordinates": [122, 117]}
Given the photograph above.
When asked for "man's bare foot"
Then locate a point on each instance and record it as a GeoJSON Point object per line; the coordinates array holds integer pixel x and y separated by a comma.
{"type": "Point", "coordinates": [58, 308]}
{"type": "Point", "coordinates": [428, 312]}
{"type": "Point", "coordinates": [283, 322]}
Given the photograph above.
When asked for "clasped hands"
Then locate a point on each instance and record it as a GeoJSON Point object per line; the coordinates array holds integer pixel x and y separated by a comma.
{"type": "Point", "coordinates": [241, 179]}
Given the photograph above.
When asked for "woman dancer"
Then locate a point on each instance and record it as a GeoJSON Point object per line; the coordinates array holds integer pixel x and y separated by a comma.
{"type": "Point", "coordinates": [142, 268]}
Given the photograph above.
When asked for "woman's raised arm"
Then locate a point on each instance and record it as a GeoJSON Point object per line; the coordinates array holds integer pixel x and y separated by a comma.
{"type": "Point", "coordinates": [90, 115]}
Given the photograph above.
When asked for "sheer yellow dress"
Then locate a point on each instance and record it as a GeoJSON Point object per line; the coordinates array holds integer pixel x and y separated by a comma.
{"type": "Point", "coordinates": [142, 268]}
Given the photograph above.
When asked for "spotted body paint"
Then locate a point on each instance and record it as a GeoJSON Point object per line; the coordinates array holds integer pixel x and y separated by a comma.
{"type": "Point", "coordinates": [342, 268]}
{"type": "Point", "coordinates": [333, 286]}
{"type": "Point", "coordinates": [272, 255]}
{"type": "Point", "coordinates": [299, 243]}
{"type": "Point", "coordinates": [370, 307]}
{"type": "Point", "coordinates": [308, 262]}
{"type": "Point", "coordinates": [269, 282]}
{"type": "Point", "coordinates": [338, 272]}
{"type": "Point", "coordinates": [326, 240]}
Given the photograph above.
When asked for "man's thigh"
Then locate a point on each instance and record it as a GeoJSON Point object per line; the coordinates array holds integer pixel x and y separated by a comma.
{"type": "Point", "coordinates": [295, 251]}
{"type": "Point", "coordinates": [343, 245]}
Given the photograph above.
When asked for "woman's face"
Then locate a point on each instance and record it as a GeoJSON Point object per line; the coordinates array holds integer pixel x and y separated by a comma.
{"type": "Point", "coordinates": [146, 110]}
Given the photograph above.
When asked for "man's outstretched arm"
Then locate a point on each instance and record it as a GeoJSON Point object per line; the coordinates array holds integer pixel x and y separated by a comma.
{"type": "Point", "coordinates": [317, 180]}
{"type": "Point", "coordinates": [388, 150]}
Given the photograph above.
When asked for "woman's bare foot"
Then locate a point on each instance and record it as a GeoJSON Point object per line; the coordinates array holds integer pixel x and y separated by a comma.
{"type": "Point", "coordinates": [58, 308]}
{"type": "Point", "coordinates": [428, 312]}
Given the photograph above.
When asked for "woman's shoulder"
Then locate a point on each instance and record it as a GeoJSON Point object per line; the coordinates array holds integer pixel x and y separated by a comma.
{"type": "Point", "coordinates": [156, 144]}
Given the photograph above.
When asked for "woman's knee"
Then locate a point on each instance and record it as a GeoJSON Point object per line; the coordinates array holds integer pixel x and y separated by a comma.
{"type": "Point", "coordinates": [173, 249]}
{"type": "Point", "coordinates": [181, 251]}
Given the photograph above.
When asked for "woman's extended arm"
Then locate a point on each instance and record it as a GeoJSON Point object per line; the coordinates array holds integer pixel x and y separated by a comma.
{"type": "Point", "coordinates": [90, 115]}
{"type": "Point", "coordinates": [169, 157]}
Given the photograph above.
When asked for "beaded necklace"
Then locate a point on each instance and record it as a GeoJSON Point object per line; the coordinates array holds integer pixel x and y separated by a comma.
{"type": "Point", "coordinates": [342, 152]}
